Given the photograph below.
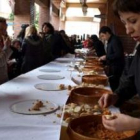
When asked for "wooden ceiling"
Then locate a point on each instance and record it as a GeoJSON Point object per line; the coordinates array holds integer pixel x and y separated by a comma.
{"type": "Point", "coordinates": [87, 1]}
{"type": "Point", "coordinates": [75, 2]}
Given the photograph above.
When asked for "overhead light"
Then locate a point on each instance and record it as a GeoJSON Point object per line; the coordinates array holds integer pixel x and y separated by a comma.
{"type": "Point", "coordinates": [81, 1]}
{"type": "Point", "coordinates": [102, 16]}
{"type": "Point", "coordinates": [63, 4]}
{"type": "Point", "coordinates": [84, 8]}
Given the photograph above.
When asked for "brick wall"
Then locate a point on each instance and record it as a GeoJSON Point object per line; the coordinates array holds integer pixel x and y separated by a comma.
{"type": "Point", "coordinates": [118, 28]}
{"type": "Point", "coordinates": [18, 21]}
{"type": "Point", "coordinates": [55, 21]}
{"type": "Point", "coordinates": [22, 15]}
{"type": "Point", "coordinates": [44, 16]}
{"type": "Point", "coordinates": [113, 21]}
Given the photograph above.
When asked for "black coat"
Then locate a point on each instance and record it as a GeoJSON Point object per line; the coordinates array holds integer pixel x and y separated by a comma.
{"type": "Point", "coordinates": [32, 50]}
{"type": "Point", "coordinates": [130, 85]}
{"type": "Point", "coordinates": [47, 48]}
{"type": "Point", "coordinates": [57, 45]}
{"type": "Point", "coordinates": [115, 56]}
{"type": "Point", "coordinates": [99, 48]}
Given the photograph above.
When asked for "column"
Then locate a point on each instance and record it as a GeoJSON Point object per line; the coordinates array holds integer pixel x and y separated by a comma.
{"type": "Point", "coordinates": [22, 15]}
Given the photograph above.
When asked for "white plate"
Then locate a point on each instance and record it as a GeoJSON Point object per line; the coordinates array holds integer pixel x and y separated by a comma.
{"type": "Point", "coordinates": [69, 60]}
{"type": "Point", "coordinates": [49, 70]}
{"type": "Point", "coordinates": [71, 69]}
{"type": "Point", "coordinates": [49, 86]}
{"type": "Point", "coordinates": [50, 77]}
{"type": "Point", "coordinates": [22, 107]}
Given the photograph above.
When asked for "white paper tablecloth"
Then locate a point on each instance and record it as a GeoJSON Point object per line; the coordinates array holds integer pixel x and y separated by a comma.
{"type": "Point", "coordinates": [32, 127]}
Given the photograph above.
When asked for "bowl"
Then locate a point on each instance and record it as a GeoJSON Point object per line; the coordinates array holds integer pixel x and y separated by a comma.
{"type": "Point", "coordinates": [95, 68]}
{"type": "Point", "coordinates": [92, 60]}
{"type": "Point", "coordinates": [94, 64]}
{"type": "Point", "coordinates": [95, 79]}
{"type": "Point", "coordinates": [91, 128]}
{"type": "Point", "coordinates": [87, 95]}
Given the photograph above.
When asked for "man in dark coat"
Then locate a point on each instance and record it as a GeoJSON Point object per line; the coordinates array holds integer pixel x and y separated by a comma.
{"type": "Point", "coordinates": [114, 57]}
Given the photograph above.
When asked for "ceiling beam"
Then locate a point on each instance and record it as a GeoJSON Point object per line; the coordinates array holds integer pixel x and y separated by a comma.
{"type": "Point", "coordinates": [87, 1]}
{"type": "Point", "coordinates": [90, 5]}
{"type": "Point", "coordinates": [89, 19]}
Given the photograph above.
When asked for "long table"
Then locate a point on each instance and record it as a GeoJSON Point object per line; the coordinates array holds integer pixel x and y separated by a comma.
{"type": "Point", "coordinates": [15, 126]}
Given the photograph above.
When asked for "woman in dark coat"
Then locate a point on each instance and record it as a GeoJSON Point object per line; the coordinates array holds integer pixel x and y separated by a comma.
{"type": "Point", "coordinates": [47, 36]}
{"type": "Point", "coordinates": [52, 43]}
{"type": "Point", "coordinates": [32, 50]}
{"type": "Point", "coordinates": [98, 46]}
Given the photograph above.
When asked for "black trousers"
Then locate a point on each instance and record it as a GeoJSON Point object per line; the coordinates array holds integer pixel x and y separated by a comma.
{"type": "Point", "coordinates": [114, 82]}
{"type": "Point", "coordinates": [114, 75]}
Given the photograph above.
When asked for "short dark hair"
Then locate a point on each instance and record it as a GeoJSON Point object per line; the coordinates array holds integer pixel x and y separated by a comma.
{"type": "Point", "coordinates": [2, 19]}
{"type": "Point", "coordinates": [105, 29]}
{"type": "Point", "coordinates": [24, 26]}
{"type": "Point", "coordinates": [16, 40]}
{"type": "Point", "coordinates": [62, 31]}
{"type": "Point", "coordinates": [126, 6]}
{"type": "Point", "coordinates": [94, 38]}
{"type": "Point", "coordinates": [49, 25]}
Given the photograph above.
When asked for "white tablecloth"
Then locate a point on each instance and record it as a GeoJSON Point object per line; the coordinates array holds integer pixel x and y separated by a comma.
{"type": "Point", "coordinates": [15, 126]}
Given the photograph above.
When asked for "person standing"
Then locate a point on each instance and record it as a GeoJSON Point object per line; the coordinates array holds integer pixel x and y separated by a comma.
{"type": "Point", "coordinates": [5, 50]}
{"type": "Point", "coordinates": [98, 45]}
{"type": "Point", "coordinates": [114, 56]}
{"type": "Point", "coordinates": [32, 50]}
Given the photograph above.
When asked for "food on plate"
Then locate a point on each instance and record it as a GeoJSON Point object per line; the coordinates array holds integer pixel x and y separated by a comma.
{"type": "Point", "coordinates": [37, 105]}
{"type": "Point", "coordinates": [61, 86]}
{"type": "Point", "coordinates": [69, 87]}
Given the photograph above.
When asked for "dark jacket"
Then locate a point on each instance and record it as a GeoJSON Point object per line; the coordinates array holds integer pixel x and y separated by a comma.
{"type": "Point", "coordinates": [15, 69]}
{"type": "Point", "coordinates": [67, 44]}
{"type": "Point", "coordinates": [32, 50]}
{"type": "Point", "coordinates": [47, 48]}
{"type": "Point", "coordinates": [53, 46]}
{"type": "Point", "coordinates": [99, 48]}
{"type": "Point", "coordinates": [115, 56]}
{"type": "Point", "coordinates": [57, 45]}
{"type": "Point", "coordinates": [130, 86]}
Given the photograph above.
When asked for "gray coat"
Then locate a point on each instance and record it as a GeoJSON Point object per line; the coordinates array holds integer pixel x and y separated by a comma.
{"type": "Point", "coordinates": [4, 55]}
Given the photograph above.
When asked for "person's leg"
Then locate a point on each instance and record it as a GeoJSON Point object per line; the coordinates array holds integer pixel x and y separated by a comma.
{"type": "Point", "coordinates": [114, 82]}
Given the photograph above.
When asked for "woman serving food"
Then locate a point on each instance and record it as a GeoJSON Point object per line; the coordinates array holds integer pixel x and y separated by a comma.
{"type": "Point", "coordinates": [129, 14]}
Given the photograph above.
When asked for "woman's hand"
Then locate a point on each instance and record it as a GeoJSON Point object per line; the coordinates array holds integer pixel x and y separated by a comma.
{"type": "Point", "coordinates": [121, 123]}
{"type": "Point", "coordinates": [107, 99]}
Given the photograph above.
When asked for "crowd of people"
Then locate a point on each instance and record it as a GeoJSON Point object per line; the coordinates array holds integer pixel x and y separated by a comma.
{"type": "Point", "coordinates": [30, 49]}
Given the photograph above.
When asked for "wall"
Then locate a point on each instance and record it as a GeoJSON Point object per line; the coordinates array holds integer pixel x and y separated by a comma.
{"type": "Point", "coordinates": [22, 15]}
{"type": "Point", "coordinates": [44, 11]}
{"type": "Point", "coordinates": [119, 29]}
